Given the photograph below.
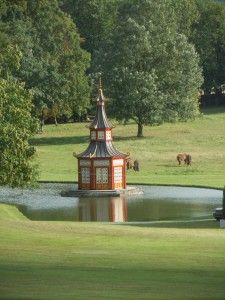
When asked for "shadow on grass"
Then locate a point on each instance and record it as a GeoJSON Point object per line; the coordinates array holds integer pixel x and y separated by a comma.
{"type": "Point", "coordinates": [213, 110]}
{"type": "Point", "coordinates": [129, 138]}
{"type": "Point", "coordinates": [58, 140]}
{"type": "Point", "coordinates": [21, 298]}
{"type": "Point", "coordinates": [187, 224]}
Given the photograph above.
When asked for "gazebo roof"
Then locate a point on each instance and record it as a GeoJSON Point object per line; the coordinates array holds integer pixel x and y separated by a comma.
{"type": "Point", "coordinates": [101, 149]}
{"type": "Point", "coordinates": [100, 121]}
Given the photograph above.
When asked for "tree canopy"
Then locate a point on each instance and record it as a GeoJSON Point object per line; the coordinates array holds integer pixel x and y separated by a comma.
{"type": "Point", "coordinates": [209, 39]}
{"type": "Point", "coordinates": [16, 124]}
{"type": "Point", "coordinates": [53, 64]}
{"type": "Point", "coordinates": [41, 64]}
{"type": "Point", "coordinates": [152, 72]}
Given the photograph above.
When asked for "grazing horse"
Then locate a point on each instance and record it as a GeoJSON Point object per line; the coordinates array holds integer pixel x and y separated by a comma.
{"type": "Point", "coordinates": [136, 166]}
{"type": "Point", "coordinates": [132, 164]}
{"type": "Point", "coordinates": [129, 163]}
{"type": "Point", "coordinates": [186, 158]}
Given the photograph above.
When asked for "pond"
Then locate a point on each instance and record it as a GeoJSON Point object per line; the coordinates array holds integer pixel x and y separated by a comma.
{"type": "Point", "coordinates": [157, 203]}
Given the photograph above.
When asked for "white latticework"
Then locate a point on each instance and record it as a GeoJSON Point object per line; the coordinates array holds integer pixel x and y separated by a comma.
{"type": "Point", "coordinates": [93, 135]}
{"type": "Point", "coordinates": [118, 174]}
{"type": "Point", "coordinates": [101, 175]}
{"type": "Point", "coordinates": [85, 175]}
{"type": "Point", "coordinates": [101, 135]}
{"type": "Point", "coordinates": [108, 135]}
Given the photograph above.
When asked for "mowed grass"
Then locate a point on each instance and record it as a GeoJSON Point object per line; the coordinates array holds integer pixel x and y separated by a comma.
{"type": "Point", "coordinates": [203, 138]}
{"type": "Point", "coordinates": [65, 260]}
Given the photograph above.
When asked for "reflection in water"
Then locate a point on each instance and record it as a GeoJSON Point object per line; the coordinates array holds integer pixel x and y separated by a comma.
{"type": "Point", "coordinates": [112, 209]}
{"type": "Point", "coordinates": [157, 203]}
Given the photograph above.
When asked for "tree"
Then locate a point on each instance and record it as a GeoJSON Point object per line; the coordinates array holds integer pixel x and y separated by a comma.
{"type": "Point", "coordinates": [209, 39]}
{"type": "Point", "coordinates": [95, 20]}
{"type": "Point", "coordinates": [53, 64]}
{"type": "Point", "coordinates": [150, 70]}
{"type": "Point", "coordinates": [16, 127]}
{"type": "Point", "coordinates": [186, 15]}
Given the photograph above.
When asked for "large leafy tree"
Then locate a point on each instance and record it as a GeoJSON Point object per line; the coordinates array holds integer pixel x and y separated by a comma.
{"type": "Point", "coordinates": [95, 20]}
{"type": "Point", "coordinates": [151, 72]}
{"type": "Point", "coordinates": [16, 123]}
{"type": "Point", "coordinates": [53, 64]}
{"type": "Point", "coordinates": [185, 13]}
{"type": "Point", "coordinates": [209, 39]}
{"type": "Point", "coordinates": [16, 127]}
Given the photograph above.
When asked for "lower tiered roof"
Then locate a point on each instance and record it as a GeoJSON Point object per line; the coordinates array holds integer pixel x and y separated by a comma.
{"type": "Point", "coordinates": [101, 149]}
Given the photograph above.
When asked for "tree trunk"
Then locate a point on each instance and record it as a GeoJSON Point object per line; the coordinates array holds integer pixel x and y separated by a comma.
{"type": "Point", "coordinates": [56, 123]}
{"type": "Point", "coordinates": [42, 123]}
{"type": "Point", "coordinates": [140, 130]}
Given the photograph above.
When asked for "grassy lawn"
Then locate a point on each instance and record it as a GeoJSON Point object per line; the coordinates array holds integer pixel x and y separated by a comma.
{"type": "Point", "coordinates": [203, 138]}
{"type": "Point", "coordinates": [65, 260]}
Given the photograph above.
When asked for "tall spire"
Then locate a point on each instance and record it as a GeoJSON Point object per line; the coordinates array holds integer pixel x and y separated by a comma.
{"type": "Point", "coordinates": [100, 120]}
{"type": "Point", "coordinates": [101, 98]}
{"type": "Point", "coordinates": [100, 82]}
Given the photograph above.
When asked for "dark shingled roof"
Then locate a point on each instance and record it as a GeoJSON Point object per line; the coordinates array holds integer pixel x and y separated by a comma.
{"type": "Point", "coordinates": [100, 121]}
{"type": "Point", "coordinates": [101, 149]}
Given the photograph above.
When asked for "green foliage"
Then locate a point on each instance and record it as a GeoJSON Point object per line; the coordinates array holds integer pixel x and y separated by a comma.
{"type": "Point", "coordinates": [94, 18]}
{"type": "Point", "coordinates": [53, 65]}
{"type": "Point", "coordinates": [209, 39]}
{"type": "Point", "coordinates": [16, 127]}
{"type": "Point", "coordinates": [185, 14]}
{"type": "Point", "coordinates": [151, 71]}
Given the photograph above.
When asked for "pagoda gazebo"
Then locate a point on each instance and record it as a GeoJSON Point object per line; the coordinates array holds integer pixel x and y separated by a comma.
{"type": "Point", "coordinates": [101, 166]}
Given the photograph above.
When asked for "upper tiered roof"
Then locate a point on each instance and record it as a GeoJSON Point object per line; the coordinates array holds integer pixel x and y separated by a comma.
{"type": "Point", "coordinates": [104, 147]}
{"type": "Point", "coordinates": [100, 121]}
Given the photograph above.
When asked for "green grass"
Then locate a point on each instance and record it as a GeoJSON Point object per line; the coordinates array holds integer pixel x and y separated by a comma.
{"type": "Point", "coordinates": [65, 260]}
{"type": "Point", "coordinates": [161, 260]}
{"type": "Point", "coordinates": [204, 138]}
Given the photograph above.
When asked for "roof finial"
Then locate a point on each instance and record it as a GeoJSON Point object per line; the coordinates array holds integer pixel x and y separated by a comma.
{"type": "Point", "coordinates": [100, 82]}
{"type": "Point", "coordinates": [101, 97]}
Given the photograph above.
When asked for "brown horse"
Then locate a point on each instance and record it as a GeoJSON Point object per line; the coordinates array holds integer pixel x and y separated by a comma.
{"type": "Point", "coordinates": [132, 164]}
{"type": "Point", "coordinates": [129, 163]}
{"type": "Point", "coordinates": [186, 158]}
{"type": "Point", "coordinates": [136, 166]}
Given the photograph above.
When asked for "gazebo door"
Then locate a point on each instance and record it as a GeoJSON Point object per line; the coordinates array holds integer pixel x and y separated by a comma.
{"type": "Point", "coordinates": [102, 178]}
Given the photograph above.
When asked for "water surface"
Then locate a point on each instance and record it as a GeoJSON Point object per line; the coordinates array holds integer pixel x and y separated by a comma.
{"type": "Point", "coordinates": [156, 204]}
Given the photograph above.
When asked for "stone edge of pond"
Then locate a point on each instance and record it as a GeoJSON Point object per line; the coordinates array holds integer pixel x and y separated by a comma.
{"type": "Point", "coordinates": [139, 183]}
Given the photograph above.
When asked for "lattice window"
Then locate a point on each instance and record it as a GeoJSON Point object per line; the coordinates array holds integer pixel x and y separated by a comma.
{"type": "Point", "coordinates": [101, 175]}
{"type": "Point", "coordinates": [93, 135]}
{"type": "Point", "coordinates": [101, 135]}
{"type": "Point", "coordinates": [85, 175]}
{"type": "Point", "coordinates": [108, 135]}
{"type": "Point", "coordinates": [118, 174]}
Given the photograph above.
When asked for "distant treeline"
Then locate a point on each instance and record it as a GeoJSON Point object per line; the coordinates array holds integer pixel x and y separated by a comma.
{"type": "Point", "coordinates": [58, 48]}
